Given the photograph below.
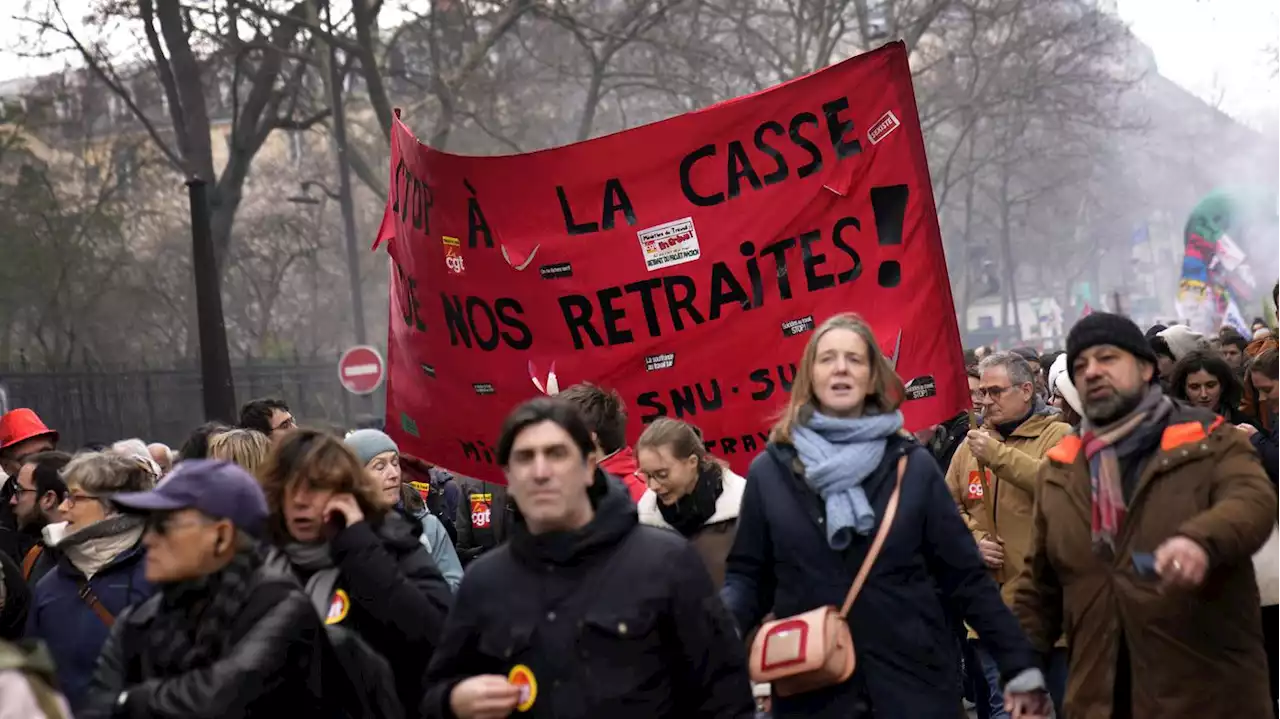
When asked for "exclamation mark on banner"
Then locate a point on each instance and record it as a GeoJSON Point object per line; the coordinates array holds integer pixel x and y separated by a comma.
{"type": "Point", "coordinates": [889, 204]}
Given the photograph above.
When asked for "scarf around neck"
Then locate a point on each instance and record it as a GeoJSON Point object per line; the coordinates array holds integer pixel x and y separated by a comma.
{"type": "Point", "coordinates": [94, 546]}
{"type": "Point", "coordinates": [308, 558]}
{"type": "Point", "coordinates": [195, 619]}
{"type": "Point", "coordinates": [1103, 447]}
{"type": "Point", "coordinates": [838, 454]}
{"type": "Point", "coordinates": [690, 513]}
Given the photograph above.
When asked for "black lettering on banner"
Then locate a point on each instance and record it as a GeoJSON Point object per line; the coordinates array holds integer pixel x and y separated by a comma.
{"type": "Point", "coordinates": [477, 451]}
{"type": "Point", "coordinates": [725, 290]}
{"type": "Point", "coordinates": [576, 310]}
{"type": "Point", "coordinates": [729, 445]}
{"type": "Point", "coordinates": [767, 386]}
{"type": "Point", "coordinates": [612, 316]}
{"type": "Point", "coordinates": [411, 198]}
{"type": "Point", "coordinates": [780, 172]}
{"type": "Point", "coordinates": [837, 128]}
{"type": "Point", "coordinates": [837, 239]}
{"type": "Point", "coordinates": [685, 401]}
{"type": "Point", "coordinates": [739, 169]}
{"type": "Point", "coordinates": [645, 289]}
{"type": "Point", "coordinates": [476, 224]}
{"type": "Point", "coordinates": [412, 314]}
{"type": "Point", "coordinates": [804, 143]}
{"type": "Point", "coordinates": [889, 205]}
{"type": "Point", "coordinates": [571, 227]}
{"type": "Point", "coordinates": [615, 201]}
{"type": "Point", "coordinates": [473, 318]}
{"type": "Point", "coordinates": [686, 184]}
{"type": "Point", "coordinates": [812, 260]}
{"type": "Point", "coordinates": [683, 303]}
{"type": "Point", "coordinates": [748, 250]}
{"type": "Point", "coordinates": [779, 251]}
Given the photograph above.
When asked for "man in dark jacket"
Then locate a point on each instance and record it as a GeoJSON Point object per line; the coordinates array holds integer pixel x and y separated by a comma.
{"type": "Point", "coordinates": [485, 518]}
{"type": "Point", "coordinates": [15, 600]}
{"type": "Point", "coordinates": [38, 492]}
{"type": "Point", "coordinates": [583, 613]}
{"type": "Point", "coordinates": [225, 636]}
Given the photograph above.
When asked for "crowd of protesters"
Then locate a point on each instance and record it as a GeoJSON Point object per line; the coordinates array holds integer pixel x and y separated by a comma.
{"type": "Point", "coordinates": [1080, 542]}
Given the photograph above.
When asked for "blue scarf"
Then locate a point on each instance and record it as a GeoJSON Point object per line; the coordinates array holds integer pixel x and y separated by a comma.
{"type": "Point", "coordinates": [838, 454]}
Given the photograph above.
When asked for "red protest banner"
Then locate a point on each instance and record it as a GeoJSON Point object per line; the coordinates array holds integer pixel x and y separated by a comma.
{"type": "Point", "coordinates": [682, 263]}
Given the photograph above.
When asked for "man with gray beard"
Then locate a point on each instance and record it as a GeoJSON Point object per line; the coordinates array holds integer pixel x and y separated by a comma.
{"type": "Point", "coordinates": [1145, 524]}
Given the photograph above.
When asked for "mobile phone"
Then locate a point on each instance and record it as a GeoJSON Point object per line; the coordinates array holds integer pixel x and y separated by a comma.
{"type": "Point", "coordinates": [1144, 563]}
{"type": "Point", "coordinates": [335, 523]}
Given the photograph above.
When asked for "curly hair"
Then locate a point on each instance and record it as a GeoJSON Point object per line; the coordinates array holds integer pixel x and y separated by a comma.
{"type": "Point", "coordinates": [1211, 362]}
{"type": "Point", "coordinates": [323, 462]}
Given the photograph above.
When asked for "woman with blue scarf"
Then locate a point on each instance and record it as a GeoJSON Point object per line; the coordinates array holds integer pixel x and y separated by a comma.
{"type": "Point", "coordinates": [812, 505]}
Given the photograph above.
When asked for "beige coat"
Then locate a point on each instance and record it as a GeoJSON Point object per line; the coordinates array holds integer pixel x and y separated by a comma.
{"type": "Point", "coordinates": [1012, 481]}
{"type": "Point", "coordinates": [715, 538]}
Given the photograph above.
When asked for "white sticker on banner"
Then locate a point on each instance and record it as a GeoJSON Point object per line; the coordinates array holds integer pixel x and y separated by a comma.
{"type": "Point", "coordinates": [673, 243]}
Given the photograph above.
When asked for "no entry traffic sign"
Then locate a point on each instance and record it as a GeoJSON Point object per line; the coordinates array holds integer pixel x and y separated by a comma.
{"type": "Point", "coordinates": [361, 369]}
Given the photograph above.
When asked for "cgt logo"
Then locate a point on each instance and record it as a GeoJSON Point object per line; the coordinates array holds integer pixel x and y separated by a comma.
{"type": "Point", "coordinates": [453, 255]}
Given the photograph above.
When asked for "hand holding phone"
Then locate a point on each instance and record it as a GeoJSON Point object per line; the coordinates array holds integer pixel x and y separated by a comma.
{"type": "Point", "coordinates": [341, 512]}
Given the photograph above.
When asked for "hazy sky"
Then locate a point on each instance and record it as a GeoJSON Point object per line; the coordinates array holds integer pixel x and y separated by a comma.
{"type": "Point", "coordinates": [1222, 50]}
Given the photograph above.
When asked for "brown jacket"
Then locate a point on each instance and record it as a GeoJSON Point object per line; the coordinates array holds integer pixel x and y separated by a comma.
{"type": "Point", "coordinates": [1191, 654]}
{"type": "Point", "coordinates": [1012, 480]}
{"type": "Point", "coordinates": [716, 536]}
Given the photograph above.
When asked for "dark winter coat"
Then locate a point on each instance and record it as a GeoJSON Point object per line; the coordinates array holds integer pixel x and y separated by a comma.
{"type": "Point", "coordinates": [928, 568]}
{"type": "Point", "coordinates": [15, 600]}
{"type": "Point", "coordinates": [277, 637]}
{"type": "Point", "coordinates": [74, 633]}
{"type": "Point", "coordinates": [615, 621]}
{"type": "Point", "coordinates": [1264, 443]}
{"type": "Point", "coordinates": [485, 518]}
{"type": "Point", "coordinates": [1189, 653]}
{"type": "Point", "coordinates": [396, 599]}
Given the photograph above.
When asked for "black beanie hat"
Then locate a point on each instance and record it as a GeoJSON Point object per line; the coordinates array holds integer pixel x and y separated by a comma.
{"type": "Point", "coordinates": [1104, 328]}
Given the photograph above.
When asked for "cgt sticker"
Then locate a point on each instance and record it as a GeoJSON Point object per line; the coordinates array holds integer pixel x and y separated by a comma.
{"type": "Point", "coordinates": [975, 486]}
{"type": "Point", "coordinates": [673, 243]}
{"type": "Point", "coordinates": [522, 677]}
{"type": "Point", "coordinates": [453, 255]}
{"type": "Point", "coordinates": [339, 606]}
{"type": "Point", "coordinates": [481, 510]}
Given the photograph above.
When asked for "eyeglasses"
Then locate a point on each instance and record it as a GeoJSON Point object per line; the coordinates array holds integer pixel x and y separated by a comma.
{"type": "Point", "coordinates": [19, 490]}
{"type": "Point", "coordinates": [74, 497]}
{"type": "Point", "coordinates": [990, 392]}
{"type": "Point", "coordinates": [290, 423]}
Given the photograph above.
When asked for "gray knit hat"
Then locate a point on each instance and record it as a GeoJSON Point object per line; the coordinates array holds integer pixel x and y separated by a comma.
{"type": "Point", "coordinates": [369, 443]}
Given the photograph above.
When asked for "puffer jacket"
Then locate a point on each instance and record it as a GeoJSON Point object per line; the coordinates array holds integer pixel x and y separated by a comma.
{"type": "Point", "coordinates": [277, 636]}
{"type": "Point", "coordinates": [714, 540]}
{"type": "Point", "coordinates": [1189, 653]}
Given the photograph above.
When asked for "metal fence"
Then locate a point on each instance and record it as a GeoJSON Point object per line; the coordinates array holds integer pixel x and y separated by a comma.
{"type": "Point", "coordinates": [164, 405]}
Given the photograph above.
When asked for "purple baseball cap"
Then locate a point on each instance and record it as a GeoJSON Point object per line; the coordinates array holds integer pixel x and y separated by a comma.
{"type": "Point", "coordinates": [221, 490]}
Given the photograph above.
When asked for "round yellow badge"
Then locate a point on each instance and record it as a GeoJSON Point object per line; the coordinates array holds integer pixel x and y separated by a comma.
{"type": "Point", "coordinates": [338, 607]}
{"type": "Point", "coordinates": [522, 676]}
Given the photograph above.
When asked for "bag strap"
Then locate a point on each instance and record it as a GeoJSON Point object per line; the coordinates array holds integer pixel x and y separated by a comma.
{"type": "Point", "coordinates": [890, 510]}
{"type": "Point", "coordinates": [29, 561]}
{"type": "Point", "coordinates": [87, 595]}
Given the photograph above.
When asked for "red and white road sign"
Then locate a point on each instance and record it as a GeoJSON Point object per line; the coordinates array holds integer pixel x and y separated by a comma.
{"type": "Point", "coordinates": [361, 369]}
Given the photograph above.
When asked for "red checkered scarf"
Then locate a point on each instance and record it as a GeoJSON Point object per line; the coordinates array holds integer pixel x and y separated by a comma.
{"type": "Point", "coordinates": [1104, 466]}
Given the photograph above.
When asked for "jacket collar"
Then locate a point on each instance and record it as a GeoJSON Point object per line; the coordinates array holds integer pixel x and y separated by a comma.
{"type": "Point", "coordinates": [727, 504]}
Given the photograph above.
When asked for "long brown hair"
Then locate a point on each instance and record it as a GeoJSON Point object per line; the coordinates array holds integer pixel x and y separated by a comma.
{"type": "Point", "coordinates": [884, 395]}
{"type": "Point", "coordinates": [323, 462]}
{"type": "Point", "coordinates": [684, 439]}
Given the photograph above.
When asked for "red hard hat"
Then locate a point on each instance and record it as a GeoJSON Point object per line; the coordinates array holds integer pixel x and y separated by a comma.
{"type": "Point", "coordinates": [22, 424]}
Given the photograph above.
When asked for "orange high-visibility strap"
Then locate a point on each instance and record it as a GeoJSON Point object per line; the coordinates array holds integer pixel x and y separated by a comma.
{"type": "Point", "coordinates": [29, 560]}
{"type": "Point", "coordinates": [1066, 450]}
{"type": "Point", "coordinates": [1176, 435]}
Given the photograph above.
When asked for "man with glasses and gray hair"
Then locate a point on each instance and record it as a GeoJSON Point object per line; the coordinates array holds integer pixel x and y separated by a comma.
{"type": "Point", "coordinates": [992, 479]}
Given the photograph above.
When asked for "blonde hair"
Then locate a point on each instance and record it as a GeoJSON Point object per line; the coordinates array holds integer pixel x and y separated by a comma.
{"type": "Point", "coordinates": [884, 395]}
{"type": "Point", "coordinates": [245, 447]}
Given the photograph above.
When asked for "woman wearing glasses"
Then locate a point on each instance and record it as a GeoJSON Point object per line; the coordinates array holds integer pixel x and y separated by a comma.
{"type": "Point", "coordinates": [100, 568]}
